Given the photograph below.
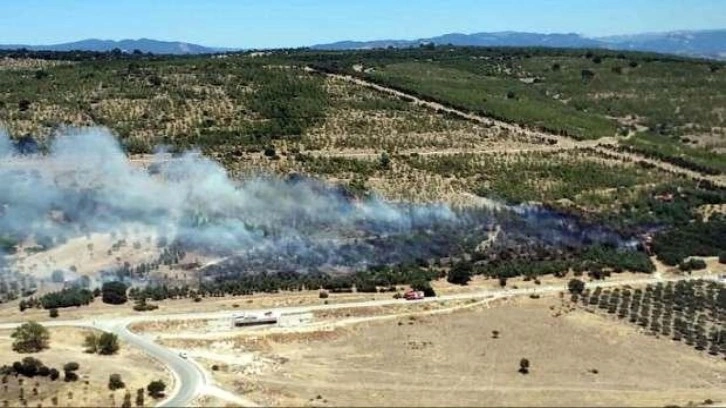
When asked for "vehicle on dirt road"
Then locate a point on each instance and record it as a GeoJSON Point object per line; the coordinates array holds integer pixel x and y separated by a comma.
{"type": "Point", "coordinates": [413, 295]}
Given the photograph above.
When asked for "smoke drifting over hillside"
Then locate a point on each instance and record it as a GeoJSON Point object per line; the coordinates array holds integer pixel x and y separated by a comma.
{"type": "Point", "coordinates": [86, 184]}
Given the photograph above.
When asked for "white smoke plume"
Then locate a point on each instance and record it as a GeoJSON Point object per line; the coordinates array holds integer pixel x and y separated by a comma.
{"type": "Point", "coordinates": [89, 183]}
{"type": "Point", "coordinates": [86, 184]}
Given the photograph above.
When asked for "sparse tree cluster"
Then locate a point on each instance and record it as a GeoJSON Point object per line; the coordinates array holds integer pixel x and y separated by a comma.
{"type": "Point", "coordinates": [104, 344]}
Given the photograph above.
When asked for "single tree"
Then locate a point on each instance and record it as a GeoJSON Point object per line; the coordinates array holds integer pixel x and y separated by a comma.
{"type": "Point", "coordinates": [53, 312]}
{"type": "Point", "coordinates": [156, 388]}
{"type": "Point", "coordinates": [70, 376]}
{"type": "Point", "coordinates": [460, 273]}
{"type": "Point", "coordinates": [91, 343]}
{"type": "Point", "coordinates": [587, 75]}
{"type": "Point", "coordinates": [524, 366]}
{"type": "Point", "coordinates": [108, 344]}
{"type": "Point", "coordinates": [69, 371]}
{"type": "Point", "coordinates": [30, 337]}
{"type": "Point", "coordinates": [127, 400]}
{"type": "Point", "coordinates": [115, 382]}
{"type": "Point", "coordinates": [114, 293]}
{"type": "Point", "coordinates": [385, 161]}
{"type": "Point", "coordinates": [576, 286]}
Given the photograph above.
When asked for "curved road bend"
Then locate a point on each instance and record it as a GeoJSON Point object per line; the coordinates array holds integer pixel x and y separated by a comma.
{"type": "Point", "coordinates": [189, 379]}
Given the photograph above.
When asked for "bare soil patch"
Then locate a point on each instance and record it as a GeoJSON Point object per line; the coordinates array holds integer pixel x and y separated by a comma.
{"type": "Point", "coordinates": [454, 359]}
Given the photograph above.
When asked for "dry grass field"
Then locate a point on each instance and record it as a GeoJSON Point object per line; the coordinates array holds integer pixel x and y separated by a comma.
{"type": "Point", "coordinates": [577, 359]}
{"type": "Point", "coordinates": [66, 345]}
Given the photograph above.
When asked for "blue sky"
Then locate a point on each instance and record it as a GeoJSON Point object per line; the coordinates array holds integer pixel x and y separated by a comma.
{"type": "Point", "coordinates": [276, 23]}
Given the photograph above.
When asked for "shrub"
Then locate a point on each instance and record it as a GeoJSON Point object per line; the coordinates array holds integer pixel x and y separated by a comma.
{"type": "Point", "coordinates": [694, 264]}
{"type": "Point", "coordinates": [460, 273]}
{"type": "Point", "coordinates": [53, 313]}
{"type": "Point", "coordinates": [142, 306]}
{"type": "Point", "coordinates": [524, 366]}
{"type": "Point", "coordinates": [69, 371]}
{"type": "Point", "coordinates": [30, 367]}
{"type": "Point", "coordinates": [576, 286]}
{"type": "Point", "coordinates": [108, 344]}
{"type": "Point", "coordinates": [587, 75]}
{"type": "Point", "coordinates": [70, 376]}
{"type": "Point", "coordinates": [156, 388]}
{"type": "Point", "coordinates": [127, 400]}
{"type": "Point", "coordinates": [91, 343]}
{"type": "Point", "coordinates": [115, 382]}
{"type": "Point", "coordinates": [114, 293]}
{"type": "Point", "coordinates": [30, 337]}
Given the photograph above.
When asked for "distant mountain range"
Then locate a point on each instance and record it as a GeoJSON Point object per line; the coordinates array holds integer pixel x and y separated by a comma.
{"type": "Point", "coordinates": [143, 45]}
{"type": "Point", "coordinates": [704, 43]}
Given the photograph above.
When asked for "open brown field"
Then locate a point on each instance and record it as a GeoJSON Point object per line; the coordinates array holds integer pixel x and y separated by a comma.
{"type": "Point", "coordinates": [577, 359]}
{"type": "Point", "coordinates": [66, 345]}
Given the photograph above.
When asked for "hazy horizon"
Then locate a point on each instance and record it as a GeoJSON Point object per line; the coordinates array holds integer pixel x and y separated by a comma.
{"type": "Point", "coordinates": [294, 23]}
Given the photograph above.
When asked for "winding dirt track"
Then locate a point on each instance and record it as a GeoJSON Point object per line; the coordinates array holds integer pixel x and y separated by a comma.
{"type": "Point", "coordinates": [604, 145]}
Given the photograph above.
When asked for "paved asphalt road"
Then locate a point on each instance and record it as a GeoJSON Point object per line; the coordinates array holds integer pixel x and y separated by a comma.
{"type": "Point", "coordinates": [190, 379]}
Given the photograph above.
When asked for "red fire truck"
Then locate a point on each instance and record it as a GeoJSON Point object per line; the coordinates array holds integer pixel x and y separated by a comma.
{"type": "Point", "coordinates": [413, 295]}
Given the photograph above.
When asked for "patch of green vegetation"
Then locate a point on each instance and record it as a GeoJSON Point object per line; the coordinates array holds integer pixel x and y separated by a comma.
{"type": "Point", "coordinates": [182, 102]}
{"type": "Point", "coordinates": [668, 203]}
{"type": "Point", "coordinates": [543, 177]}
{"type": "Point", "coordinates": [698, 238]}
{"type": "Point", "coordinates": [337, 166]}
{"type": "Point", "coordinates": [580, 93]}
{"type": "Point", "coordinates": [667, 149]}
{"type": "Point", "coordinates": [502, 98]}
{"type": "Point", "coordinates": [593, 259]}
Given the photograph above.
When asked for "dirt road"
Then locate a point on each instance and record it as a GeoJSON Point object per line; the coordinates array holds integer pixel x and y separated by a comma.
{"type": "Point", "coordinates": [602, 145]}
